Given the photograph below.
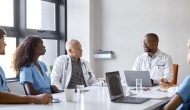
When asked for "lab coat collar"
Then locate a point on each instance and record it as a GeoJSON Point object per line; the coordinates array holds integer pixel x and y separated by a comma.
{"type": "Point", "coordinates": [158, 54]}
{"type": "Point", "coordinates": [157, 58]}
{"type": "Point", "coordinates": [73, 60]}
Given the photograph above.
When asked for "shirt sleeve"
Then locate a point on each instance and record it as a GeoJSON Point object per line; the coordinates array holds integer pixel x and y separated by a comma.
{"type": "Point", "coordinates": [92, 79]}
{"type": "Point", "coordinates": [57, 71]}
{"type": "Point", "coordinates": [26, 75]}
{"type": "Point", "coordinates": [168, 71]}
{"type": "Point", "coordinates": [136, 65]}
{"type": "Point", "coordinates": [183, 90]}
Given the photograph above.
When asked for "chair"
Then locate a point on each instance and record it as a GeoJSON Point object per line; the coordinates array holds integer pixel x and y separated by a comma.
{"type": "Point", "coordinates": [25, 90]}
{"type": "Point", "coordinates": [175, 73]}
{"type": "Point", "coordinates": [16, 87]}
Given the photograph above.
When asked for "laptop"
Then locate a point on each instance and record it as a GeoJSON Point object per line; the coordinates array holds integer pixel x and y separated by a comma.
{"type": "Point", "coordinates": [116, 90]}
{"type": "Point", "coordinates": [131, 77]}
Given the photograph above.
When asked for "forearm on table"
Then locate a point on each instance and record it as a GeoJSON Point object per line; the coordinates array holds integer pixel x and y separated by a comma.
{"type": "Point", "coordinates": [174, 103]}
{"type": "Point", "coordinates": [9, 98]}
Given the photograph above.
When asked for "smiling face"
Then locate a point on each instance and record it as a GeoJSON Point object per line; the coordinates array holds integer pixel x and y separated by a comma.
{"type": "Point", "coordinates": [2, 45]}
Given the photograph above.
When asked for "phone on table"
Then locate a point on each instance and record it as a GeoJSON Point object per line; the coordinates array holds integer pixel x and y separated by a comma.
{"type": "Point", "coordinates": [55, 100]}
{"type": "Point", "coordinates": [84, 90]}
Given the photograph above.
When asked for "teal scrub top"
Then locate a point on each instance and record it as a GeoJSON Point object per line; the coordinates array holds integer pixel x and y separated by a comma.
{"type": "Point", "coordinates": [3, 84]}
{"type": "Point", "coordinates": [184, 92]}
{"type": "Point", "coordinates": [32, 74]}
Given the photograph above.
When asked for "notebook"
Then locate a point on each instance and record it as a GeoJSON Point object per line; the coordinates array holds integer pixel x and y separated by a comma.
{"type": "Point", "coordinates": [116, 91]}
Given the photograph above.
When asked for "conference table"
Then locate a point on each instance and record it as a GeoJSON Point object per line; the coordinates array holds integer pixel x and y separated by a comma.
{"type": "Point", "coordinates": [94, 99]}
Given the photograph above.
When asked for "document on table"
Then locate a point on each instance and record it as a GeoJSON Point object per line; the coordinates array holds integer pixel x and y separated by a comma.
{"type": "Point", "coordinates": [96, 84]}
{"type": "Point", "coordinates": [151, 96]}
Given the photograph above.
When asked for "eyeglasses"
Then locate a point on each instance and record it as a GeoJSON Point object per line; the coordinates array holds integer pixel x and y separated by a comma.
{"type": "Point", "coordinates": [146, 42]}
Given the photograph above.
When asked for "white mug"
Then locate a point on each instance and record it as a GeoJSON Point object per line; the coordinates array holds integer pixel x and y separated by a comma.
{"type": "Point", "coordinates": [69, 94]}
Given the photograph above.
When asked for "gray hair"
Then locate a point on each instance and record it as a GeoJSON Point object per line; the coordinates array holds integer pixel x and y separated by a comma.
{"type": "Point", "coordinates": [69, 44]}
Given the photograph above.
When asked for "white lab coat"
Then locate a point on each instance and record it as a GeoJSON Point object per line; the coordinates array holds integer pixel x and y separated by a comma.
{"type": "Point", "coordinates": [62, 70]}
{"type": "Point", "coordinates": [161, 67]}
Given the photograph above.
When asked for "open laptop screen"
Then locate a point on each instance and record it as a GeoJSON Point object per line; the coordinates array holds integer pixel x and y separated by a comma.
{"type": "Point", "coordinates": [114, 85]}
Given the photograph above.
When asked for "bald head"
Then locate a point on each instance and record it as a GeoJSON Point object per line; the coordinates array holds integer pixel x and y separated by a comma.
{"type": "Point", "coordinates": [70, 44]}
{"type": "Point", "coordinates": [152, 36]}
{"type": "Point", "coordinates": [74, 48]}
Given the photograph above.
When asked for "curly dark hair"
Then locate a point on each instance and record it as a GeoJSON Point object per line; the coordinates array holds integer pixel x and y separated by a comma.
{"type": "Point", "coordinates": [24, 53]}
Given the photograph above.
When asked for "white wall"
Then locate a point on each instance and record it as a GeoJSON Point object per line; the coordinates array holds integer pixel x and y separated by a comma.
{"type": "Point", "coordinates": [78, 25]}
{"type": "Point", "coordinates": [120, 25]}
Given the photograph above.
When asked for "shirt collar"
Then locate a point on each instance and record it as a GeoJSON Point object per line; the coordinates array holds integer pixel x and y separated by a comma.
{"type": "Point", "coordinates": [154, 54]}
{"type": "Point", "coordinates": [73, 60]}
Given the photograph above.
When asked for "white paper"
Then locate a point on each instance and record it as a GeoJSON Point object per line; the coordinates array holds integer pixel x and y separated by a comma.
{"type": "Point", "coordinates": [150, 96]}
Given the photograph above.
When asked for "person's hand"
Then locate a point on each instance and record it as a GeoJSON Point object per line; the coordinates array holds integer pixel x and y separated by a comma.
{"type": "Point", "coordinates": [164, 87]}
{"type": "Point", "coordinates": [54, 89]}
{"type": "Point", "coordinates": [163, 80]}
{"type": "Point", "coordinates": [146, 88]}
{"type": "Point", "coordinates": [42, 99]}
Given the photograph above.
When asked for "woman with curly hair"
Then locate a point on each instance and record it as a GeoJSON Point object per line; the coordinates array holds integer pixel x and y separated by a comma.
{"type": "Point", "coordinates": [32, 72]}
{"type": "Point", "coordinates": [9, 98]}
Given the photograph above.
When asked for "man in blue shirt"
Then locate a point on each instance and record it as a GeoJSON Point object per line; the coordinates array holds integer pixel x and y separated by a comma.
{"type": "Point", "coordinates": [9, 98]}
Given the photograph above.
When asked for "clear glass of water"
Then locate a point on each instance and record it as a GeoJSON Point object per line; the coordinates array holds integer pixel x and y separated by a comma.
{"type": "Point", "coordinates": [100, 83]}
{"type": "Point", "coordinates": [80, 93]}
{"type": "Point", "coordinates": [138, 86]}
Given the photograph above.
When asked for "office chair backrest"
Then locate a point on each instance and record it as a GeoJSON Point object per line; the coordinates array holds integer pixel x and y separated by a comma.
{"type": "Point", "coordinates": [25, 90]}
{"type": "Point", "coordinates": [16, 87]}
{"type": "Point", "coordinates": [175, 73]}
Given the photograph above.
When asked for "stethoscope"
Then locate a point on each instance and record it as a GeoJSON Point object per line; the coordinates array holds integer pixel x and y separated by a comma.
{"type": "Point", "coordinates": [83, 66]}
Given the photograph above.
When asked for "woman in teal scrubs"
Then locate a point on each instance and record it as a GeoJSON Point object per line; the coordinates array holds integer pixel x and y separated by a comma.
{"type": "Point", "coordinates": [181, 100]}
{"type": "Point", "coordinates": [32, 72]}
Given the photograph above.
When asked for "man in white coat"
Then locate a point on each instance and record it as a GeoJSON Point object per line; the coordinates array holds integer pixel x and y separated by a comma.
{"type": "Point", "coordinates": [71, 70]}
{"type": "Point", "coordinates": [159, 64]}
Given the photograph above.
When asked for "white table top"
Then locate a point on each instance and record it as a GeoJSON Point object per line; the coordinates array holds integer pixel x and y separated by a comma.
{"type": "Point", "coordinates": [94, 99]}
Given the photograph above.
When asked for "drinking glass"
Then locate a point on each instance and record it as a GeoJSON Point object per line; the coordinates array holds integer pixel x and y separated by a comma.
{"type": "Point", "coordinates": [138, 86]}
{"type": "Point", "coordinates": [80, 93]}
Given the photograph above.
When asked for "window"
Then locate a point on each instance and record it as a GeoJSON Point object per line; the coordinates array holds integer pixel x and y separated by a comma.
{"type": "Point", "coordinates": [5, 60]}
{"type": "Point", "coordinates": [40, 15]}
{"type": "Point", "coordinates": [51, 52]}
{"type": "Point", "coordinates": [44, 18]}
{"type": "Point", "coordinates": [6, 12]}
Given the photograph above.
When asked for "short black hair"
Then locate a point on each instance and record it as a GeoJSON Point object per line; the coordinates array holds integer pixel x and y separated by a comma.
{"type": "Point", "coordinates": [153, 35]}
{"type": "Point", "coordinates": [2, 32]}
